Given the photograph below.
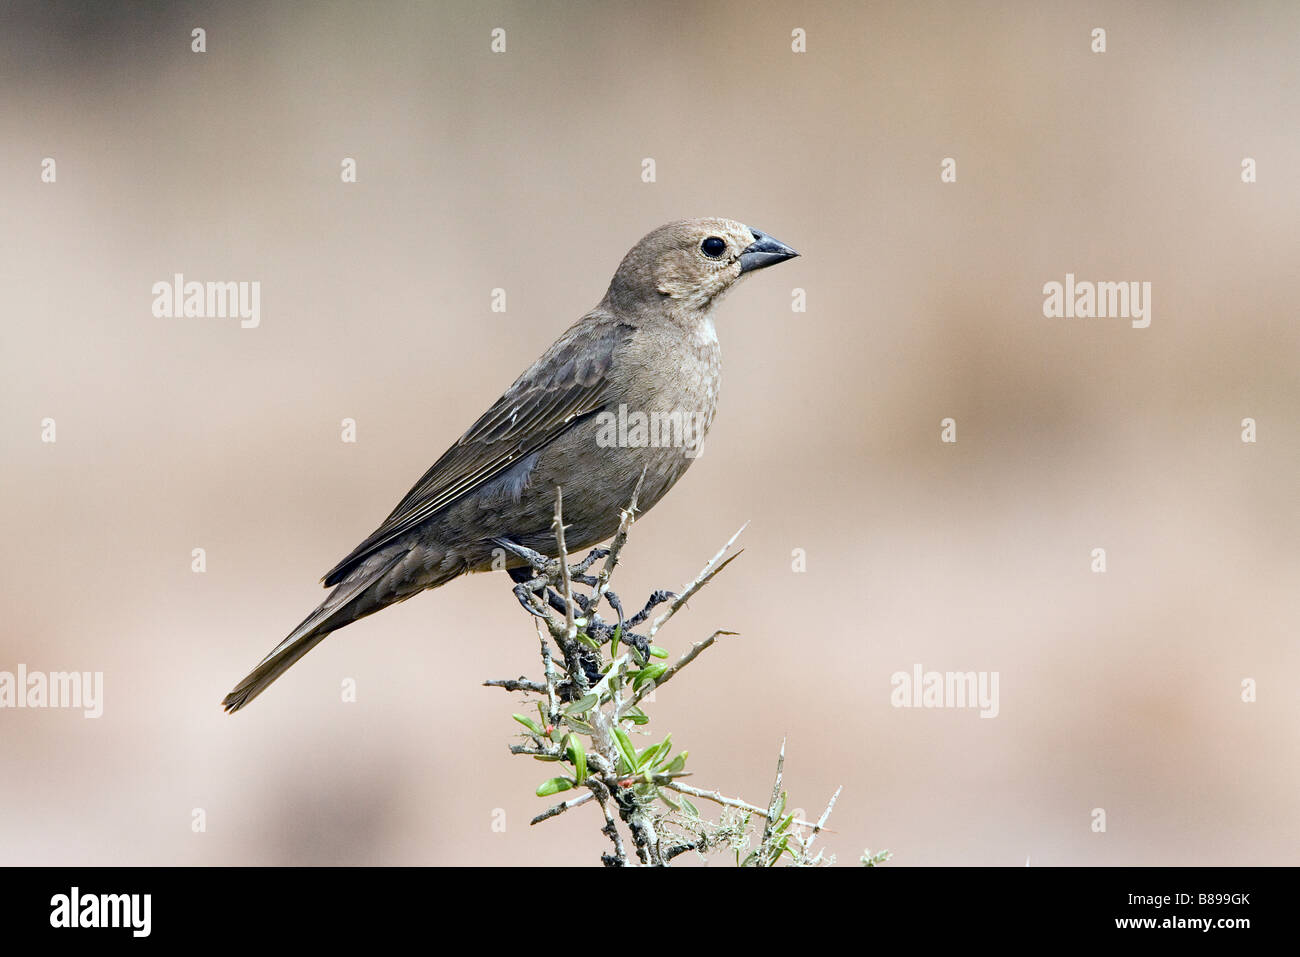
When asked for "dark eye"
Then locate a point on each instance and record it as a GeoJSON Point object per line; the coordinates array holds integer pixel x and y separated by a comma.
{"type": "Point", "coordinates": [713, 247]}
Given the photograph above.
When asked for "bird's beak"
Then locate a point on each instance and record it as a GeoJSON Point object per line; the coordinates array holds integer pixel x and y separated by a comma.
{"type": "Point", "coordinates": [764, 251]}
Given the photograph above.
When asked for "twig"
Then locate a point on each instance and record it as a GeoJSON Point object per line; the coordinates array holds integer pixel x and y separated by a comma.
{"type": "Point", "coordinates": [626, 517]}
{"type": "Point", "coordinates": [722, 799]}
{"type": "Point", "coordinates": [562, 807]}
{"type": "Point", "coordinates": [703, 578]}
{"type": "Point", "coordinates": [611, 827]}
{"type": "Point", "coordinates": [548, 669]}
{"type": "Point", "coordinates": [821, 822]}
{"type": "Point", "coordinates": [681, 663]}
{"type": "Point", "coordinates": [772, 813]}
{"type": "Point", "coordinates": [570, 627]}
{"type": "Point", "coordinates": [516, 684]}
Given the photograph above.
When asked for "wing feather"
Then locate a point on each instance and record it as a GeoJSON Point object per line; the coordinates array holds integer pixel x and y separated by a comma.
{"type": "Point", "coordinates": [567, 384]}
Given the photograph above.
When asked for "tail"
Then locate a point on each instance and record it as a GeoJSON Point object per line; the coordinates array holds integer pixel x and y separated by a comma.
{"type": "Point", "coordinates": [344, 605]}
{"type": "Point", "coordinates": [274, 665]}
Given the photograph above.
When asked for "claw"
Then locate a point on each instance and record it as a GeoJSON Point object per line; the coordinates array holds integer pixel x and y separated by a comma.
{"type": "Point", "coordinates": [616, 603]}
{"type": "Point", "coordinates": [525, 596]}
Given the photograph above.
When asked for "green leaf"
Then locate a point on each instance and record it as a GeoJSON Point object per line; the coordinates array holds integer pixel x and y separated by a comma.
{"type": "Point", "coordinates": [780, 806]}
{"type": "Point", "coordinates": [636, 716]}
{"type": "Point", "coordinates": [529, 724]}
{"type": "Point", "coordinates": [657, 652]}
{"type": "Point", "coordinates": [664, 748]}
{"type": "Point", "coordinates": [678, 763]}
{"type": "Point", "coordinates": [578, 725]}
{"type": "Point", "coordinates": [656, 753]}
{"type": "Point", "coordinates": [577, 756]}
{"type": "Point", "coordinates": [648, 673]}
{"type": "Point", "coordinates": [691, 809]}
{"type": "Point", "coordinates": [553, 786]}
{"type": "Point", "coordinates": [583, 704]}
{"type": "Point", "coordinates": [625, 749]}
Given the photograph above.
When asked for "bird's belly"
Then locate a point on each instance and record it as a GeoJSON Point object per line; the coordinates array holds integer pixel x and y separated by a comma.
{"type": "Point", "coordinates": [598, 467]}
{"type": "Point", "coordinates": [651, 430]}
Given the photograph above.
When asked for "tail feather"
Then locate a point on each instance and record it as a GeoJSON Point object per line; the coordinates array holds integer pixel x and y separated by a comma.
{"type": "Point", "coordinates": [271, 667]}
{"type": "Point", "coordinates": [337, 610]}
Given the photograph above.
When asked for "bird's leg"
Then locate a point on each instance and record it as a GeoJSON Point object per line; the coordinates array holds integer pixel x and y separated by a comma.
{"type": "Point", "coordinates": [536, 560]}
{"type": "Point", "coordinates": [617, 605]}
{"type": "Point", "coordinates": [526, 589]}
{"type": "Point", "coordinates": [537, 583]}
{"type": "Point", "coordinates": [639, 642]}
{"type": "Point", "coordinates": [540, 563]}
{"type": "Point", "coordinates": [658, 598]}
{"type": "Point", "coordinates": [556, 601]}
{"type": "Point", "coordinates": [595, 555]}
{"type": "Point", "coordinates": [590, 662]}
{"type": "Point", "coordinates": [528, 581]}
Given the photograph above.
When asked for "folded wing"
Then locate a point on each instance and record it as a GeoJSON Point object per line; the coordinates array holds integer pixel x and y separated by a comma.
{"type": "Point", "coordinates": [569, 383]}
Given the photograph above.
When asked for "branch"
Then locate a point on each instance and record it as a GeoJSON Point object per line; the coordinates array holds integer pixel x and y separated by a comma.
{"type": "Point", "coordinates": [562, 807]}
{"type": "Point", "coordinates": [703, 578]}
{"type": "Point", "coordinates": [592, 715]}
{"type": "Point", "coordinates": [682, 662]}
{"type": "Point", "coordinates": [722, 799]}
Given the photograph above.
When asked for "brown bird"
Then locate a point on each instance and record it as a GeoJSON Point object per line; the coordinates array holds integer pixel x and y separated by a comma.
{"type": "Point", "coordinates": [629, 390]}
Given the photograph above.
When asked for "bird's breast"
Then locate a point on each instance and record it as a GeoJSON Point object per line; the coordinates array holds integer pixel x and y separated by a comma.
{"type": "Point", "coordinates": [676, 376]}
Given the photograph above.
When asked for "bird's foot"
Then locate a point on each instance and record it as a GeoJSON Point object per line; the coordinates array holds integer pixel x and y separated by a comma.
{"type": "Point", "coordinates": [539, 564]}
{"type": "Point", "coordinates": [537, 588]}
{"type": "Point", "coordinates": [617, 604]}
{"type": "Point", "coordinates": [595, 555]}
{"type": "Point", "coordinates": [526, 593]}
{"type": "Point", "coordinates": [556, 601]}
{"type": "Point", "coordinates": [590, 662]}
{"type": "Point", "coordinates": [656, 599]}
{"type": "Point", "coordinates": [638, 643]}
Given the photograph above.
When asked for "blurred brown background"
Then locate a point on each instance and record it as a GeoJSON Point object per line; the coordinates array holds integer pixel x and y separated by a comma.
{"type": "Point", "coordinates": [522, 171]}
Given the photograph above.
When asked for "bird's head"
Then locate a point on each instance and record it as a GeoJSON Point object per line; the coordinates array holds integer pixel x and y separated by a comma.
{"type": "Point", "coordinates": [692, 264]}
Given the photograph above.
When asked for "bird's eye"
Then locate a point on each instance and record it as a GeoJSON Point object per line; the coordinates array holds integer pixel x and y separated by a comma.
{"type": "Point", "coordinates": [713, 247]}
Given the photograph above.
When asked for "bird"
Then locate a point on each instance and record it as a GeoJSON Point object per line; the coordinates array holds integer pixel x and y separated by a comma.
{"type": "Point", "coordinates": [579, 419]}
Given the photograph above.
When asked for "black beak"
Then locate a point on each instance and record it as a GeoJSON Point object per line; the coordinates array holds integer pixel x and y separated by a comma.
{"type": "Point", "coordinates": [764, 251]}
